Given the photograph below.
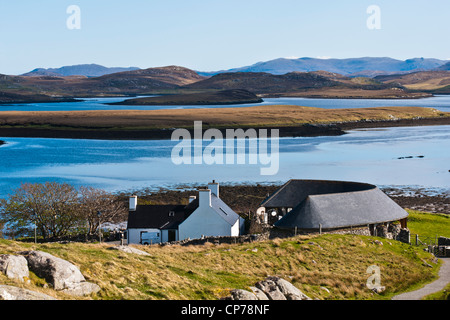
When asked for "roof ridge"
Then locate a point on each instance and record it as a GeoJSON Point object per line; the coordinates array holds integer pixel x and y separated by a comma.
{"type": "Point", "coordinates": [221, 211]}
{"type": "Point", "coordinates": [276, 192]}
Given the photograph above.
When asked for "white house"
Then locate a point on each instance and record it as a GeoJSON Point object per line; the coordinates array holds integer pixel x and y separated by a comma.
{"type": "Point", "coordinates": [213, 217]}
{"type": "Point", "coordinates": [206, 215]}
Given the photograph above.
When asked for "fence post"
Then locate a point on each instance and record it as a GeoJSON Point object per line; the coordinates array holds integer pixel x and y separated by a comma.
{"type": "Point", "coordinates": [417, 239]}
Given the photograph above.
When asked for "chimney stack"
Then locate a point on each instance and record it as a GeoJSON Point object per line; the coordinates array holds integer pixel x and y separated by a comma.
{"type": "Point", "coordinates": [214, 187]}
{"type": "Point", "coordinates": [204, 198]}
{"type": "Point", "coordinates": [133, 203]}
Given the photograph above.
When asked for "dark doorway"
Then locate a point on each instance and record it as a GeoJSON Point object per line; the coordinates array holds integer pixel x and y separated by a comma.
{"type": "Point", "coordinates": [172, 235]}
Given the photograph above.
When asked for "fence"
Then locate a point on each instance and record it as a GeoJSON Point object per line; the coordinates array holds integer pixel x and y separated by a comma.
{"type": "Point", "coordinates": [439, 246]}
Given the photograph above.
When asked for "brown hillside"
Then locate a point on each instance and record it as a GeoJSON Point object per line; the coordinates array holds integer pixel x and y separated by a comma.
{"type": "Point", "coordinates": [424, 80]}
{"type": "Point", "coordinates": [122, 83]}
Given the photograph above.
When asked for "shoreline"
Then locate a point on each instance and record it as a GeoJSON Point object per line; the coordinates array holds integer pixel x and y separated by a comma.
{"type": "Point", "coordinates": [305, 130]}
{"type": "Point", "coordinates": [264, 95]}
{"type": "Point", "coordinates": [408, 197]}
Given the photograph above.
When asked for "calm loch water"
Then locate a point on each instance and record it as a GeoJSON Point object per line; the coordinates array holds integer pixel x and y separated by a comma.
{"type": "Point", "coordinates": [404, 156]}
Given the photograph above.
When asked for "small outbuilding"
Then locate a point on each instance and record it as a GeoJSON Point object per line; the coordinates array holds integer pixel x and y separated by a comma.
{"type": "Point", "coordinates": [323, 204]}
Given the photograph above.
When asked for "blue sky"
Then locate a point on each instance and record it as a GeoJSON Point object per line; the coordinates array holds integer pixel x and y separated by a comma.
{"type": "Point", "coordinates": [211, 35]}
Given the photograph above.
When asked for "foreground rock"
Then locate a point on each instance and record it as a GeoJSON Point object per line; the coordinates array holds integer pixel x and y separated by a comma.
{"type": "Point", "coordinates": [61, 274]}
{"type": "Point", "coordinates": [272, 288]}
{"type": "Point", "coordinates": [14, 293]}
{"type": "Point", "coordinates": [14, 267]}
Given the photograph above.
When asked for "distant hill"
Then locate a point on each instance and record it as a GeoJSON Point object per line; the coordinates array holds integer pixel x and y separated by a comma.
{"type": "Point", "coordinates": [88, 70]}
{"type": "Point", "coordinates": [262, 82]}
{"type": "Point", "coordinates": [141, 81]}
{"type": "Point", "coordinates": [204, 98]}
{"type": "Point", "coordinates": [170, 76]}
{"type": "Point", "coordinates": [306, 84]}
{"type": "Point", "coordinates": [422, 80]}
{"type": "Point", "coordinates": [445, 67]}
{"type": "Point", "coordinates": [180, 80]}
{"type": "Point", "coordinates": [366, 66]}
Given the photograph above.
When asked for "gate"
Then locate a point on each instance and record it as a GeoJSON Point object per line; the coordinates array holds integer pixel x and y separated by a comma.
{"type": "Point", "coordinates": [430, 244]}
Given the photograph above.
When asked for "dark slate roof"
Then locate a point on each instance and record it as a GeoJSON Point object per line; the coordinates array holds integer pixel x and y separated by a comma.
{"type": "Point", "coordinates": [157, 216]}
{"type": "Point", "coordinates": [295, 191]}
{"type": "Point", "coordinates": [223, 210]}
{"type": "Point", "coordinates": [360, 204]}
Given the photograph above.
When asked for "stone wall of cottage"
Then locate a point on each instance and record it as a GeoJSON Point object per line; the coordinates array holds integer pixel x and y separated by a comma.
{"type": "Point", "coordinates": [391, 231]}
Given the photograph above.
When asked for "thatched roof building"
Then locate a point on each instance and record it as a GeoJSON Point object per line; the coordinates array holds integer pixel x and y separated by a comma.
{"type": "Point", "coordinates": [314, 204]}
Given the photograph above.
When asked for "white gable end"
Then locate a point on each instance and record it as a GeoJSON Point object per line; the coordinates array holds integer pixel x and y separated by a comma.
{"type": "Point", "coordinates": [204, 222]}
{"type": "Point", "coordinates": [212, 218]}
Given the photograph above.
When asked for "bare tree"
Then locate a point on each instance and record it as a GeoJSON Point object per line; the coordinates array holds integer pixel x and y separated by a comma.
{"type": "Point", "coordinates": [93, 201]}
{"type": "Point", "coordinates": [58, 210]}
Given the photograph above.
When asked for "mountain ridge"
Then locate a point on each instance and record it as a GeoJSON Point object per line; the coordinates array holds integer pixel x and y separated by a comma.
{"type": "Point", "coordinates": [88, 70]}
{"type": "Point", "coordinates": [364, 66]}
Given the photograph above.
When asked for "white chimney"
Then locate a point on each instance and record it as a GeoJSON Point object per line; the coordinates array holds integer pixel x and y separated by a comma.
{"type": "Point", "coordinates": [204, 198]}
{"type": "Point", "coordinates": [133, 203]}
{"type": "Point", "coordinates": [214, 187]}
{"type": "Point", "coordinates": [192, 198]}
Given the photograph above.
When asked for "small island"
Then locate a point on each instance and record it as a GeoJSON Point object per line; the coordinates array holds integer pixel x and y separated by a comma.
{"type": "Point", "coordinates": [224, 97]}
{"type": "Point", "coordinates": [14, 98]}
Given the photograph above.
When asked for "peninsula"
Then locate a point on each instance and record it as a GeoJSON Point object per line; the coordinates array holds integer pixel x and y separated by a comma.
{"type": "Point", "coordinates": [291, 120]}
{"type": "Point", "coordinates": [223, 97]}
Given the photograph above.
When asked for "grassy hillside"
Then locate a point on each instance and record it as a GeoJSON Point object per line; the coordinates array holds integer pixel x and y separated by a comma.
{"type": "Point", "coordinates": [429, 225]}
{"type": "Point", "coordinates": [324, 267]}
{"type": "Point", "coordinates": [423, 80]}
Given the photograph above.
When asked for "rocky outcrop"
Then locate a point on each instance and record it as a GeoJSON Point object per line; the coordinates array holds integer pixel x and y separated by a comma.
{"type": "Point", "coordinates": [14, 267]}
{"type": "Point", "coordinates": [59, 273]}
{"type": "Point", "coordinates": [272, 288]}
{"type": "Point", "coordinates": [14, 293]}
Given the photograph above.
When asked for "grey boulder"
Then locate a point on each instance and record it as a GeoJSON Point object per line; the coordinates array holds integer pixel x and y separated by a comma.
{"type": "Point", "coordinates": [14, 267]}
{"type": "Point", "coordinates": [61, 274]}
{"type": "Point", "coordinates": [239, 294]}
{"type": "Point", "coordinates": [272, 288]}
{"type": "Point", "coordinates": [14, 293]}
{"type": "Point", "coordinates": [290, 291]}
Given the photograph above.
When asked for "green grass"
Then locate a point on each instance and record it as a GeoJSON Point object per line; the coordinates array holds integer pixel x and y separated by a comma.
{"type": "Point", "coordinates": [335, 262]}
{"type": "Point", "coordinates": [441, 295]}
{"type": "Point", "coordinates": [329, 266]}
{"type": "Point", "coordinates": [428, 224]}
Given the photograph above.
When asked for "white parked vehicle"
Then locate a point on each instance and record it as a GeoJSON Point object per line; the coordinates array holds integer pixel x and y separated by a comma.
{"type": "Point", "coordinates": [150, 237]}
